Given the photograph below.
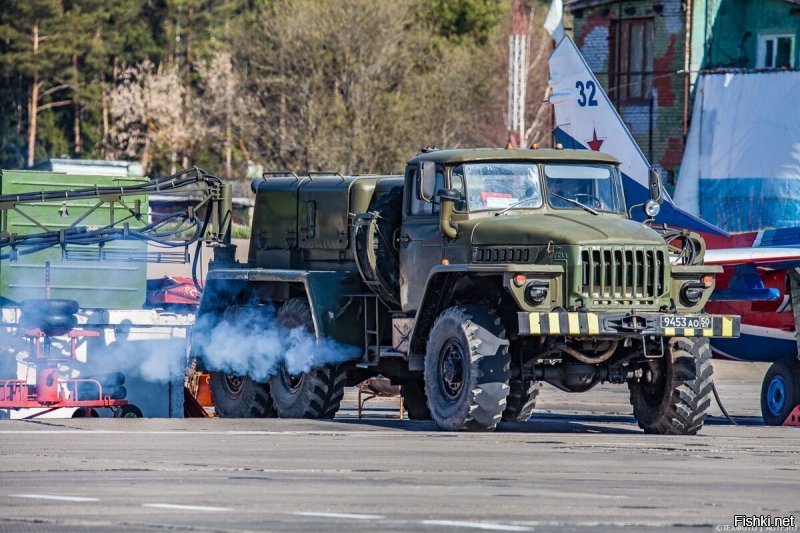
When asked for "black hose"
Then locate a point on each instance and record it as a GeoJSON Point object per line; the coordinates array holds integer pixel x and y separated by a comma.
{"type": "Point", "coordinates": [721, 407]}
{"type": "Point", "coordinates": [196, 257]}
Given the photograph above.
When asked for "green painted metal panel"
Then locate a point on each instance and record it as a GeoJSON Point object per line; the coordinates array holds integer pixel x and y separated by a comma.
{"type": "Point", "coordinates": [94, 284]}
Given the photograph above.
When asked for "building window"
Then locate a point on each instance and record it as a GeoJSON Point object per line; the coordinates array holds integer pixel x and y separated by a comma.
{"type": "Point", "coordinates": [775, 51]}
{"type": "Point", "coordinates": [631, 65]}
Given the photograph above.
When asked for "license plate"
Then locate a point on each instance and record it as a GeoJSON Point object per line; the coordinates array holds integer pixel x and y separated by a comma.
{"type": "Point", "coordinates": [691, 322]}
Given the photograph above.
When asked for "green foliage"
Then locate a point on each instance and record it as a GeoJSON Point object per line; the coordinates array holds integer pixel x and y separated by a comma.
{"type": "Point", "coordinates": [346, 85]}
{"type": "Point", "coordinates": [463, 21]}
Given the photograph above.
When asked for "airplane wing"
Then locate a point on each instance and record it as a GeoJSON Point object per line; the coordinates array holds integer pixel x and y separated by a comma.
{"type": "Point", "coordinates": [772, 258]}
{"type": "Point", "coordinates": [585, 118]}
{"type": "Point", "coordinates": [775, 249]}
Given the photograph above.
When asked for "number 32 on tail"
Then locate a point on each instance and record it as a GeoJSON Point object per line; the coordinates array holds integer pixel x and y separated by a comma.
{"type": "Point", "coordinates": [586, 93]}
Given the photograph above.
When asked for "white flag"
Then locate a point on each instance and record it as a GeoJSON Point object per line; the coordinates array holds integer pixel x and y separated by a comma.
{"type": "Point", "coordinates": [554, 23]}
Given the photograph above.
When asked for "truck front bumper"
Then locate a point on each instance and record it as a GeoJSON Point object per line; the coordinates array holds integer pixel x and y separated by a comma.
{"type": "Point", "coordinates": [587, 324]}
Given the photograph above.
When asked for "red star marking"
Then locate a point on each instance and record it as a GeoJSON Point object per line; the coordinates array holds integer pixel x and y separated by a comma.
{"type": "Point", "coordinates": [595, 143]}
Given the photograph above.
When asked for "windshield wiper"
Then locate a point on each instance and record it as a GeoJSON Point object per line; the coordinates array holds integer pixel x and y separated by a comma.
{"type": "Point", "coordinates": [524, 200]}
{"type": "Point", "coordinates": [576, 202]}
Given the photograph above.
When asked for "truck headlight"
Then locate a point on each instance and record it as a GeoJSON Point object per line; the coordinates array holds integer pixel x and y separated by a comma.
{"type": "Point", "coordinates": [692, 292]}
{"type": "Point", "coordinates": [652, 208]}
{"type": "Point", "coordinates": [536, 292]}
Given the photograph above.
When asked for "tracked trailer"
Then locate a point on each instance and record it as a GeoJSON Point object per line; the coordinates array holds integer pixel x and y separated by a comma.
{"type": "Point", "coordinates": [469, 280]}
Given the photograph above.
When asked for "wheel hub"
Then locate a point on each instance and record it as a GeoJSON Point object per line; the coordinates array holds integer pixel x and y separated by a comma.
{"type": "Point", "coordinates": [451, 370]}
{"type": "Point", "coordinates": [776, 395]}
{"type": "Point", "coordinates": [654, 389]}
{"type": "Point", "coordinates": [233, 385]}
{"type": "Point", "coordinates": [291, 381]}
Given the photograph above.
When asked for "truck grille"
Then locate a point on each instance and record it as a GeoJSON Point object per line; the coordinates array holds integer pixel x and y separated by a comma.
{"type": "Point", "coordinates": [622, 273]}
{"type": "Point", "coordinates": [496, 254]}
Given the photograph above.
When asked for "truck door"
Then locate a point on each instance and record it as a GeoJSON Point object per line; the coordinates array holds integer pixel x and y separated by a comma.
{"type": "Point", "coordinates": [421, 241]}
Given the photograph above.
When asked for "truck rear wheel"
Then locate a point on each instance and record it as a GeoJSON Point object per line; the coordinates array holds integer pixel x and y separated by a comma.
{"type": "Point", "coordinates": [317, 393]}
{"type": "Point", "coordinates": [676, 398]}
{"type": "Point", "coordinates": [467, 369]}
{"type": "Point", "coordinates": [238, 396]}
{"type": "Point", "coordinates": [521, 400]}
{"type": "Point", "coordinates": [780, 391]}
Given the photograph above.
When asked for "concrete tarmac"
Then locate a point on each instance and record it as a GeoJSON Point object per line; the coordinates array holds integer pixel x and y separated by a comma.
{"type": "Point", "coordinates": [581, 464]}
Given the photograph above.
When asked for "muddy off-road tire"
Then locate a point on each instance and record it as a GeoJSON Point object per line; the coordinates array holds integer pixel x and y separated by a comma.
{"type": "Point", "coordinates": [780, 391]}
{"type": "Point", "coordinates": [238, 396]}
{"type": "Point", "coordinates": [677, 399]}
{"type": "Point", "coordinates": [467, 369]}
{"type": "Point", "coordinates": [521, 400]}
{"type": "Point", "coordinates": [313, 394]}
{"type": "Point", "coordinates": [386, 271]}
{"type": "Point", "coordinates": [414, 400]}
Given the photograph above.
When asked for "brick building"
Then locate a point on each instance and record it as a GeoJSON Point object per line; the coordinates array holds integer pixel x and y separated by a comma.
{"type": "Point", "coordinates": [639, 51]}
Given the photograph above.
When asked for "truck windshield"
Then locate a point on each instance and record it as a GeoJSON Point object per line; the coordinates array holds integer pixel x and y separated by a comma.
{"type": "Point", "coordinates": [504, 185]}
{"type": "Point", "coordinates": [595, 187]}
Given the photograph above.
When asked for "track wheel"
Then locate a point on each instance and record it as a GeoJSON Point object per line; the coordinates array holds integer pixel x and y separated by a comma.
{"type": "Point", "coordinates": [316, 393]}
{"type": "Point", "coordinates": [674, 396]}
{"type": "Point", "coordinates": [128, 411]}
{"type": "Point", "coordinates": [467, 369]}
{"type": "Point", "coordinates": [780, 391]}
{"type": "Point", "coordinates": [521, 400]}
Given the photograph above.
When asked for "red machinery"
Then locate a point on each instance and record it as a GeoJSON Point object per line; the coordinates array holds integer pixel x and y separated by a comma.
{"type": "Point", "coordinates": [51, 391]}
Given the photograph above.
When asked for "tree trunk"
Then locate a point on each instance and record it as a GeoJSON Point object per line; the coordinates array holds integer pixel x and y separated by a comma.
{"type": "Point", "coordinates": [146, 154]}
{"type": "Point", "coordinates": [106, 151]}
{"type": "Point", "coordinates": [228, 147]}
{"type": "Point", "coordinates": [33, 104]}
{"type": "Point", "coordinates": [76, 104]}
{"type": "Point", "coordinates": [228, 103]}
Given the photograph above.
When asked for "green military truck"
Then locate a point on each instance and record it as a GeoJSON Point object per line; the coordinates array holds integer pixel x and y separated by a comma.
{"type": "Point", "coordinates": [469, 280]}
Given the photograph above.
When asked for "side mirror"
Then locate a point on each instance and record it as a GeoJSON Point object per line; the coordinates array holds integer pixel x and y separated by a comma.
{"type": "Point", "coordinates": [426, 181]}
{"type": "Point", "coordinates": [653, 206]}
{"type": "Point", "coordinates": [447, 199]}
{"type": "Point", "coordinates": [654, 179]}
{"type": "Point", "coordinates": [450, 195]}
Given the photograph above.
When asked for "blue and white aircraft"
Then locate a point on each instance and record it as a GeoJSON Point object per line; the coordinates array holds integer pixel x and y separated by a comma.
{"type": "Point", "coordinates": [758, 270]}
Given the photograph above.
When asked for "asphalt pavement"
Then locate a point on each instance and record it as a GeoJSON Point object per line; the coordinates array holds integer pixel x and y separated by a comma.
{"type": "Point", "coordinates": [581, 464]}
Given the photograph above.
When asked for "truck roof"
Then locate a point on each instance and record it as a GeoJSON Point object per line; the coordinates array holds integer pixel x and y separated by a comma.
{"type": "Point", "coordinates": [494, 154]}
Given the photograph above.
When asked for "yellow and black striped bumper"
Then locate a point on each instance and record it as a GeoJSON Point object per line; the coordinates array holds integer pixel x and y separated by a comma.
{"type": "Point", "coordinates": [576, 324]}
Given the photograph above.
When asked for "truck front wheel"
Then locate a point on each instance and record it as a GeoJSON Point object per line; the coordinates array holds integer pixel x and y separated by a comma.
{"type": "Point", "coordinates": [521, 400]}
{"type": "Point", "coordinates": [467, 369]}
{"type": "Point", "coordinates": [675, 393]}
{"type": "Point", "coordinates": [313, 394]}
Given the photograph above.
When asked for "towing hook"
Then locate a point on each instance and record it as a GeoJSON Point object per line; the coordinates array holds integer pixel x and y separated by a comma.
{"type": "Point", "coordinates": [634, 323]}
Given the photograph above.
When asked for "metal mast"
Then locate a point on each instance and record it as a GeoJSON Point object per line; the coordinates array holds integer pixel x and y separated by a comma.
{"type": "Point", "coordinates": [517, 73]}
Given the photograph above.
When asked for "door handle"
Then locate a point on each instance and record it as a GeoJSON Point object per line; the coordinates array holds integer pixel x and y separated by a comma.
{"type": "Point", "coordinates": [405, 239]}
